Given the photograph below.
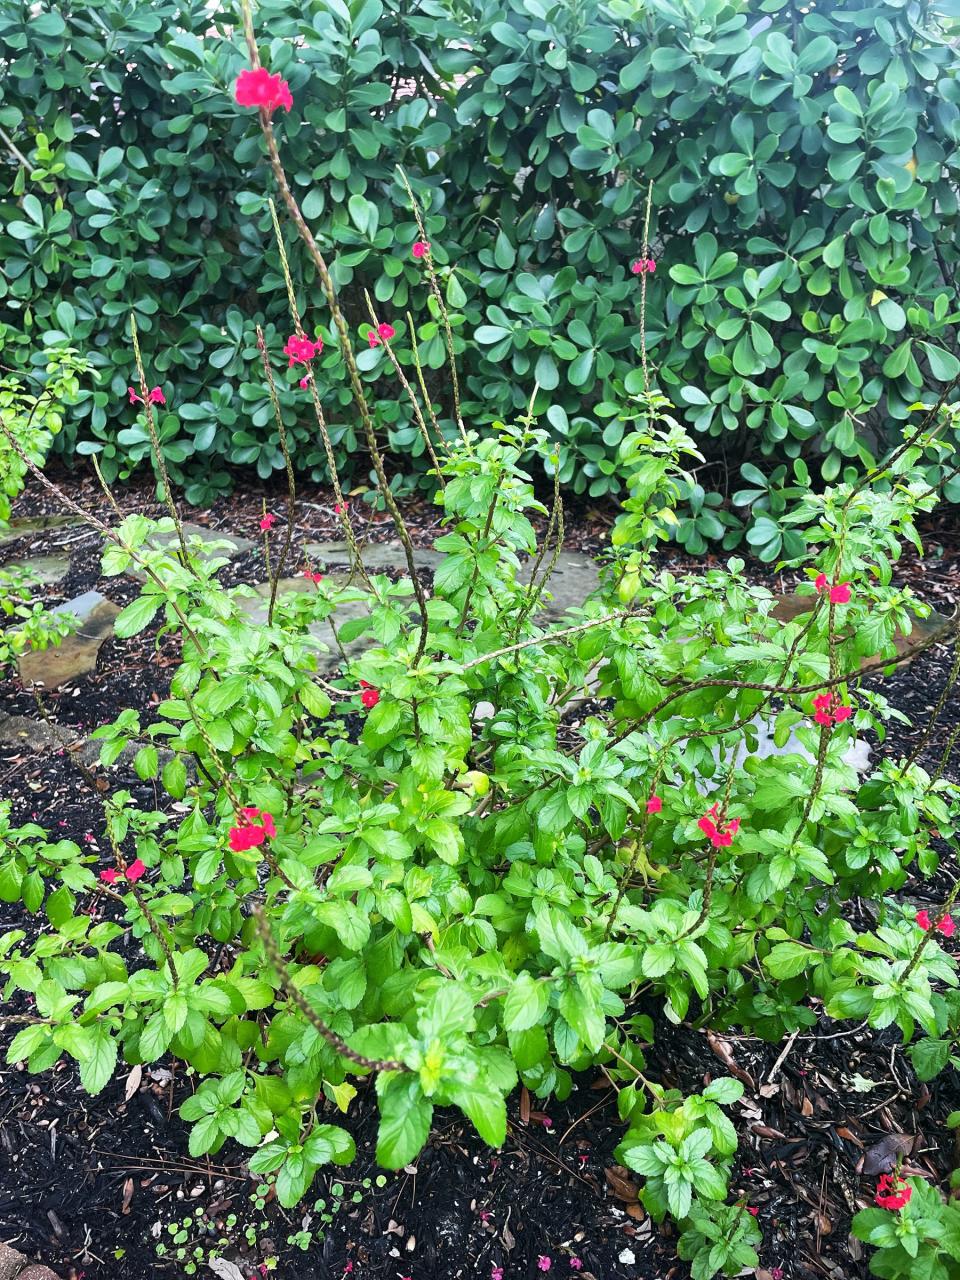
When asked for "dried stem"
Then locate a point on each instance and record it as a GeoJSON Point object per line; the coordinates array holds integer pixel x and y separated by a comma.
{"type": "Point", "coordinates": [297, 997]}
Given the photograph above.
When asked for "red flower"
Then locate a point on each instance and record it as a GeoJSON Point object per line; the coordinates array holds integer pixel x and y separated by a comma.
{"type": "Point", "coordinates": [247, 834]}
{"type": "Point", "coordinates": [892, 1191]}
{"type": "Point", "coordinates": [719, 834]}
{"type": "Point", "coordinates": [654, 804]}
{"type": "Point", "coordinates": [828, 709]}
{"type": "Point", "coordinates": [839, 592]}
{"type": "Point", "coordinates": [642, 266]}
{"type": "Point", "coordinates": [370, 697]}
{"type": "Point", "coordinates": [373, 340]}
{"type": "Point", "coordinates": [420, 249]}
{"type": "Point", "coordinates": [133, 873]}
{"type": "Point", "coordinates": [301, 350]}
{"type": "Point", "coordinates": [753, 1209]}
{"type": "Point", "coordinates": [268, 522]}
{"type": "Point", "coordinates": [947, 925]}
{"type": "Point", "coordinates": [386, 331]}
{"type": "Point", "coordinates": [340, 508]}
{"type": "Point", "coordinates": [258, 88]}
{"type": "Point", "coordinates": [304, 383]}
{"type": "Point", "coordinates": [155, 396]}
{"type": "Point", "coordinates": [312, 577]}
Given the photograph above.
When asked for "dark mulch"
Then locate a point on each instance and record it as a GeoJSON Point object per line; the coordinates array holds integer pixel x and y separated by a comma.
{"type": "Point", "coordinates": [89, 1185]}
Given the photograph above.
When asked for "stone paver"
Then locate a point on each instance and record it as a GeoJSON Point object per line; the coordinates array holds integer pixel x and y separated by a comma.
{"type": "Point", "coordinates": [11, 1262]}
{"type": "Point", "coordinates": [169, 539]}
{"type": "Point", "coordinates": [76, 654]}
{"type": "Point", "coordinates": [23, 526]}
{"type": "Point", "coordinates": [44, 569]}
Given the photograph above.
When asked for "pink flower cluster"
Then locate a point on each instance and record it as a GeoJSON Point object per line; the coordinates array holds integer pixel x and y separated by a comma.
{"type": "Point", "coordinates": [302, 350]}
{"type": "Point", "coordinates": [643, 266]}
{"type": "Point", "coordinates": [155, 396]}
{"type": "Point", "coordinates": [258, 88]}
{"type": "Point", "coordinates": [247, 834]}
{"type": "Point", "coordinates": [828, 709]}
{"type": "Point", "coordinates": [947, 925]}
{"type": "Point", "coordinates": [719, 833]}
{"type": "Point", "coordinates": [420, 249]}
{"type": "Point", "coordinates": [133, 873]}
{"type": "Point", "coordinates": [839, 591]}
{"type": "Point", "coordinates": [892, 1191]}
{"type": "Point", "coordinates": [384, 331]}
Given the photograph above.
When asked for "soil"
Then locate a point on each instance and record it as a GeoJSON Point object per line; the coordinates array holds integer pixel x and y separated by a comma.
{"type": "Point", "coordinates": [90, 1186]}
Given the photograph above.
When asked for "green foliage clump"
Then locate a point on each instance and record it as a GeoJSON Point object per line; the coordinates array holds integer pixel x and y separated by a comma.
{"type": "Point", "coordinates": [803, 167]}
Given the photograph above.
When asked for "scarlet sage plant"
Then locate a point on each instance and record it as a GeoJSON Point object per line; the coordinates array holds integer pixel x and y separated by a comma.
{"type": "Point", "coordinates": [424, 871]}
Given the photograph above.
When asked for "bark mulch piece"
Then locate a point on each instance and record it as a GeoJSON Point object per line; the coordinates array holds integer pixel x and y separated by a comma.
{"type": "Point", "coordinates": [90, 1185]}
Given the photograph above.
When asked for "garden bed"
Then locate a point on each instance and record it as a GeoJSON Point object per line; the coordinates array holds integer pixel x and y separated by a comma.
{"type": "Point", "coordinates": [90, 1184]}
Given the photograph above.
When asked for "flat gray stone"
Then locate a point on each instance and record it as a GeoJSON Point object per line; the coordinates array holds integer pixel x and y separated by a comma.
{"type": "Point", "coordinates": [168, 540]}
{"type": "Point", "coordinates": [574, 578]}
{"type": "Point", "coordinates": [35, 1272]}
{"type": "Point", "coordinates": [376, 555]}
{"type": "Point", "coordinates": [77, 653]}
{"type": "Point", "coordinates": [44, 569]}
{"type": "Point", "coordinates": [24, 526]}
{"type": "Point", "coordinates": [256, 609]}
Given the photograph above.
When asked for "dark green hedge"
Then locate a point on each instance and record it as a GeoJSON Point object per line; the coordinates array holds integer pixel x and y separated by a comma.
{"type": "Point", "coordinates": [805, 223]}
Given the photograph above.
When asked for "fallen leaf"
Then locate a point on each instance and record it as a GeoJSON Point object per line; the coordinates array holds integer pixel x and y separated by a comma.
{"type": "Point", "coordinates": [524, 1105]}
{"type": "Point", "coordinates": [225, 1270]}
{"type": "Point", "coordinates": [723, 1051]}
{"type": "Point", "coordinates": [127, 1195]}
{"type": "Point", "coordinates": [883, 1156]}
{"type": "Point", "coordinates": [133, 1082]}
{"type": "Point", "coordinates": [844, 1132]}
{"type": "Point", "coordinates": [636, 1211]}
{"type": "Point", "coordinates": [621, 1184]}
{"type": "Point", "coordinates": [806, 1106]}
{"type": "Point", "coordinates": [764, 1131]}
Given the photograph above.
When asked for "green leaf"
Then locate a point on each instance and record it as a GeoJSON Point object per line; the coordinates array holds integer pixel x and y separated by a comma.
{"type": "Point", "coordinates": [136, 616]}
{"type": "Point", "coordinates": [405, 1117]}
{"type": "Point", "coordinates": [525, 1004]}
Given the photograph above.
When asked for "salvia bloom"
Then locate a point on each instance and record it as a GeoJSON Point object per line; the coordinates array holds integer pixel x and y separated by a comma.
{"type": "Point", "coordinates": [383, 331]}
{"type": "Point", "coordinates": [340, 508]}
{"type": "Point", "coordinates": [654, 804]}
{"type": "Point", "coordinates": [268, 522]}
{"type": "Point", "coordinates": [155, 396]}
{"type": "Point", "coordinates": [302, 350]}
{"type": "Point", "coordinates": [839, 591]}
{"type": "Point", "coordinates": [643, 266]}
{"type": "Point", "coordinates": [892, 1191]}
{"type": "Point", "coordinates": [947, 925]}
{"type": "Point", "coordinates": [133, 873]}
{"type": "Point", "coordinates": [420, 249]}
{"type": "Point", "coordinates": [720, 834]}
{"type": "Point", "coordinates": [370, 696]}
{"type": "Point", "coordinates": [312, 577]}
{"type": "Point", "coordinates": [258, 88]}
{"type": "Point", "coordinates": [304, 383]}
{"type": "Point", "coordinates": [247, 834]}
{"type": "Point", "coordinates": [828, 709]}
